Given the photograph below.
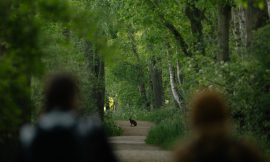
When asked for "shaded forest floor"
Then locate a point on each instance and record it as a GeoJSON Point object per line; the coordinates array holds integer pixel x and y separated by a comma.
{"type": "Point", "coordinates": [131, 146]}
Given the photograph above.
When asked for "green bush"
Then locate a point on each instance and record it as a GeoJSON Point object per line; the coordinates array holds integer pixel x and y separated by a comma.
{"type": "Point", "coordinates": [167, 131]}
{"type": "Point", "coordinates": [260, 49]}
{"type": "Point", "coordinates": [110, 127]}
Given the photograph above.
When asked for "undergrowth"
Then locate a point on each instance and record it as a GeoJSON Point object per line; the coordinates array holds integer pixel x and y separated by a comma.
{"type": "Point", "coordinates": [155, 116]}
{"type": "Point", "coordinates": [167, 131]}
{"type": "Point", "coordinates": [110, 126]}
{"type": "Point", "coordinates": [169, 124]}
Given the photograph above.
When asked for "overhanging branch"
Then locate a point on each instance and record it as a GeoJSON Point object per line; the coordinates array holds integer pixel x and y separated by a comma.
{"type": "Point", "coordinates": [172, 29]}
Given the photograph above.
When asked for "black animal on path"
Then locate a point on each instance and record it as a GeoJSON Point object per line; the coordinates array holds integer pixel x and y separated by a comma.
{"type": "Point", "coordinates": [132, 122]}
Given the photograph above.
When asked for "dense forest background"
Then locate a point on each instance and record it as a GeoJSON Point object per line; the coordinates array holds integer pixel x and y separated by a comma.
{"type": "Point", "coordinates": [145, 56]}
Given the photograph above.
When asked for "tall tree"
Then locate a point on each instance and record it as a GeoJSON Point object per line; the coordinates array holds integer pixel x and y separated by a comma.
{"type": "Point", "coordinates": [96, 67]}
{"type": "Point", "coordinates": [255, 18]}
{"type": "Point", "coordinates": [173, 85]}
{"type": "Point", "coordinates": [196, 16]}
{"type": "Point", "coordinates": [99, 89]}
{"type": "Point", "coordinates": [239, 27]}
{"type": "Point", "coordinates": [268, 7]}
{"type": "Point", "coordinates": [156, 80]}
{"type": "Point", "coordinates": [224, 18]}
{"type": "Point", "coordinates": [172, 78]}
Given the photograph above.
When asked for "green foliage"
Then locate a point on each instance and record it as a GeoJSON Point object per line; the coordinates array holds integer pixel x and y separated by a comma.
{"type": "Point", "coordinates": [127, 71]}
{"type": "Point", "coordinates": [260, 50]}
{"type": "Point", "coordinates": [20, 56]}
{"type": "Point", "coordinates": [33, 41]}
{"type": "Point", "coordinates": [110, 126]}
{"type": "Point", "coordinates": [132, 112]}
{"type": "Point", "coordinates": [64, 54]}
{"type": "Point", "coordinates": [72, 43]}
{"type": "Point", "coordinates": [122, 80]}
{"type": "Point", "coordinates": [260, 46]}
{"type": "Point", "coordinates": [244, 79]}
{"type": "Point", "coordinates": [258, 3]}
{"type": "Point", "coordinates": [167, 131]}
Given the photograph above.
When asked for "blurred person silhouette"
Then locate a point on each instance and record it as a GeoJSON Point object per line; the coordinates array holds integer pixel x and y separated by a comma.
{"type": "Point", "coordinates": [212, 140]}
{"type": "Point", "coordinates": [60, 136]}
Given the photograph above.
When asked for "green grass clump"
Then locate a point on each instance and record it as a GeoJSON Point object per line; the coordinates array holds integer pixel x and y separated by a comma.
{"type": "Point", "coordinates": [169, 124]}
{"type": "Point", "coordinates": [110, 127]}
{"type": "Point", "coordinates": [134, 113]}
{"type": "Point", "coordinates": [167, 131]}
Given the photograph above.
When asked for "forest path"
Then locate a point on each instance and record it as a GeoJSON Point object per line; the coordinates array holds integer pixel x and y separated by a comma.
{"type": "Point", "coordinates": [131, 146]}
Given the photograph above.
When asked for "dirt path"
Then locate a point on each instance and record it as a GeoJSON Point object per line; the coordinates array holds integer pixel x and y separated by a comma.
{"type": "Point", "coordinates": [131, 147]}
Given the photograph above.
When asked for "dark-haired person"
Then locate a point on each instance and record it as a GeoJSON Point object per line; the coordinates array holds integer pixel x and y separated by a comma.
{"type": "Point", "coordinates": [212, 140]}
{"type": "Point", "coordinates": [59, 135]}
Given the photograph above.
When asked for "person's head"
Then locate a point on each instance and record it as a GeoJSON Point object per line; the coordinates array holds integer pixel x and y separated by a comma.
{"type": "Point", "coordinates": [61, 92]}
{"type": "Point", "coordinates": [209, 111]}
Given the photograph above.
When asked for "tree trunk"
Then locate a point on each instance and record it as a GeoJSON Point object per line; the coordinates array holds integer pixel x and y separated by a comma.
{"type": "Point", "coordinates": [224, 17]}
{"type": "Point", "coordinates": [173, 86]}
{"type": "Point", "coordinates": [177, 97]}
{"type": "Point", "coordinates": [2, 49]}
{"type": "Point", "coordinates": [239, 32]}
{"type": "Point", "coordinates": [247, 20]}
{"type": "Point", "coordinates": [97, 68]}
{"type": "Point", "coordinates": [196, 17]}
{"type": "Point", "coordinates": [142, 91]}
{"type": "Point", "coordinates": [99, 90]}
{"type": "Point", "coordinates": [178, 37]}
{"type": "Point", "coordinates": [178, 73]}
{"type": "Point", "coordinates": [268, 7]}
{"type": "Point", "coordinates": [255, 19]}
{"type": "Point", "coordinates": [242, 26]}
{"type": "Point", "coordinates": [157, 87]}
{"type": "Point", "coordinates": [25, 103]}
{"type": "Point", "coordinates": [250, 23]}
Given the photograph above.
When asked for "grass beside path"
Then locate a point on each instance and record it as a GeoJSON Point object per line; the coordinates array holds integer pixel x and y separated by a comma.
{"type": "Point", "coordinates": [169, 124]}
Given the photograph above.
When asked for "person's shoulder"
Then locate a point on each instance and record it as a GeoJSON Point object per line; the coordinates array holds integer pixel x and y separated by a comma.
{"type": "Point", "coordinates": [57, 119]}
{"type": "Point", "coordinates": [89, 125]}
{"type": "Point", "coordinates": [27, 135]}
{"type": "Point", "coordinates": [49, 122]}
